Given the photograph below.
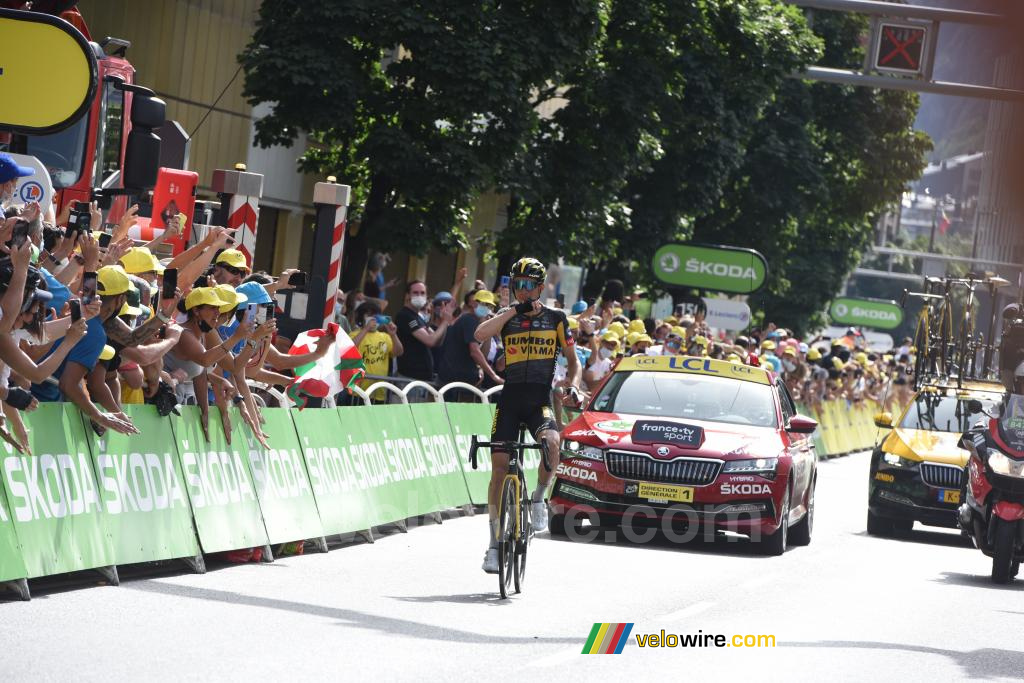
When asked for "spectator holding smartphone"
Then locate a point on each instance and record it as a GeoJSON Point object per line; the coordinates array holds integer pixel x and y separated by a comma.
{"type": "Point", "coordinates": [416, 336]}
{"type": "Point", "coordinates": [377, 347]}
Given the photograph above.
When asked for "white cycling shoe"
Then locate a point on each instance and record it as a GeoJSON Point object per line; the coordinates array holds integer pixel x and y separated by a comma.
{"type": "Point", "coordinates": [491, 561]}
{"type": "Point", "coordinates": [539, 516]}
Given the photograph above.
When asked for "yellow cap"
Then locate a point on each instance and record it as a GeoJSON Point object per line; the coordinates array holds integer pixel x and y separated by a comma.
{"type": "Point", "coordinates": [610, 336]}
{"type": "Point", "coordinates": [203, 296]}
{"type": "Point", "coordinates": [230, 297]}
{"type": "Point", "coordinates": [632, 338]}
{"type": "Point", "coordinates": [678, 331]}
{"type": "Point", "coordinates": [733, 358]}
{"type": "Point", "coordinates": [671, 320]}
{"type": "Point", "coordinates": [813, 354]}
{"type": "Point", "coordinates": [140, 260]}
{"type": "Point", "coordinates": [618, 328]}
{"type": "Point", "coordinates": [107, 353]}
{"type": "Point", "coordinates": [129, 310]}
{"type": "Point", "coordinates": [837, 363]}
{"type": "Point", "coordinates": [861, 358]}
{"type": "Point", "coordinates": [699, 339]}
{"type": "Point", "coordinates": [111, 281]}
{"type": "Point", "coordinates": [637, 326]}
{"type": "Point", "coordinates": [617, 311]}
{"type": "Point", "coordinates": [485, 297]}
{"type": "Point", "coordinates": [645, 338]}
{"type": "Point", "coordinates": [789, 351]}
{"type": "Point", "coordinates": [768, 345]}
{"type": "Point", "coordinates": [233, 258]}
{"type": "Point", "coordinates": [574, 324]}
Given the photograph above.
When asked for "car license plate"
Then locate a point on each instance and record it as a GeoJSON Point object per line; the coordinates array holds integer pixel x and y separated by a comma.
{"type": "Point", "coordinates": [659, 492]}
{"type": "Point", "coordinates": [949, 496]}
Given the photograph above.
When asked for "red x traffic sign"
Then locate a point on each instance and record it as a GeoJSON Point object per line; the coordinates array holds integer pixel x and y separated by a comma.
{"type": "Point", "coordinates": [900, 48]}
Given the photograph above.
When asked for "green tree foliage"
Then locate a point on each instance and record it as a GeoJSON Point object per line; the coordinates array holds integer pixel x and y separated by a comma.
{"type": "Point", "coordinates": [653, 127]}
{"type": "Point", "coordinates": [417, 104]}
{"type": "Point", "coordinates": [824, 161]}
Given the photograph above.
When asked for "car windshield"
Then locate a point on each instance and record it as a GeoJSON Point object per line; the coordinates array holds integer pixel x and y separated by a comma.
{"type": "Point", "coordinates": [938, 413]}
{"type": "Point", "coordinates": [62, 153]}
{"type": "Point", "coordinates": [695, 397]}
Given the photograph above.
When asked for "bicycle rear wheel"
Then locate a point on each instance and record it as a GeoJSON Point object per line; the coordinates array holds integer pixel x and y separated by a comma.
{"type": "Point", "coordinates": [507, 537]}
{"type": "Point", "coordinates": [522, 542]}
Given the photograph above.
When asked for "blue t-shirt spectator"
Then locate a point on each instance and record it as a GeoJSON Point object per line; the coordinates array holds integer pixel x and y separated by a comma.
{"type": "Point", "coordinates": [86, 352]}
{"type": "Point", "coordinates": [60, 292]}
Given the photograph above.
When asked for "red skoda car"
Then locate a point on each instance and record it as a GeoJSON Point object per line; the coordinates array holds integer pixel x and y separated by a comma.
{"type": "Point", "coordinates": [679, 440]}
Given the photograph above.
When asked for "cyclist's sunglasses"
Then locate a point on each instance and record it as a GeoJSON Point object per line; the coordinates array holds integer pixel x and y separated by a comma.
{"type": "Point", "coordinates": [524, 284]}
{"type": "Point", "coordinates": [231, 269]}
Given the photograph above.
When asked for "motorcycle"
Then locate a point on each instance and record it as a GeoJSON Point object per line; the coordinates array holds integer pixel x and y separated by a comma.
{"type": "Point", "coordinates": [993, 514]}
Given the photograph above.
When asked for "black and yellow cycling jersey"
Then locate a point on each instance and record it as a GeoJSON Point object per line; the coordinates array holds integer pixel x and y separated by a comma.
{"type": "Point", "coordinates": [532, 344]}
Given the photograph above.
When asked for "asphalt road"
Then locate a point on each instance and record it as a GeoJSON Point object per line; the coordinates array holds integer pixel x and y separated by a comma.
{"type": "Point", "coordinates": [417, 606]}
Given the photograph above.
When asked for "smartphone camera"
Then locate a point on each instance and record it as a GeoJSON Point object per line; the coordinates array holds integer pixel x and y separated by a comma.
{"type": "Point", "coordinates": [80, 218]}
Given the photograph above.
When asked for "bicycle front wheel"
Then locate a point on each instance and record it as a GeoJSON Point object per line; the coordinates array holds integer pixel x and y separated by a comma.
{"type": "Point", "coordinates": [507, 536]}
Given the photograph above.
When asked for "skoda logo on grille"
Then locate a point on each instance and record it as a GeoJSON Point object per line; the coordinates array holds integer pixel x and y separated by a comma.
{"type": "Point", "coordinates": [663, 450]}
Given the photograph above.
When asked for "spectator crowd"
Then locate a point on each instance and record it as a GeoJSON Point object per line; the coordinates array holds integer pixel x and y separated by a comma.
{"type": "Point", "coordinates": [94, 317]}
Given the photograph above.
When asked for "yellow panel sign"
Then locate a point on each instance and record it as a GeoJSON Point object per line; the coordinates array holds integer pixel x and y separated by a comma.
{"type": "Point", "coordinates": [693, 365]}
{"type": "Point", "coordinates": [47, 72]}
{"type": "Point", "coordinates": [677, 494]}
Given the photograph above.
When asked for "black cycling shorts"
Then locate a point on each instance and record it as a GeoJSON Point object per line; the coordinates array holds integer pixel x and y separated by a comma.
{"type": "Point", "coordinates": [522, 404]}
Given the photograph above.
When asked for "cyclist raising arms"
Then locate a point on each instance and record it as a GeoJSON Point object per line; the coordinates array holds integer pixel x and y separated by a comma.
{"type": "Point", "coordinates": [532, 335]}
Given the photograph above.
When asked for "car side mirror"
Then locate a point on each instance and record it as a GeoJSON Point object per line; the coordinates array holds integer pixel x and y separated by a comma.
{"type": "Point", "coordinates": [974, 406]}
{"type": "Point", "coordinates": [801, 424]}
{"type": "Point", "coordinates": [884, 420]}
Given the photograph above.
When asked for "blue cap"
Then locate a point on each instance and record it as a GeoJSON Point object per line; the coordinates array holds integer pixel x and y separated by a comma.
{"type": "Point", "coordinates": [442, 296]}
{"type": "Point", "coordinates": [255, 294]}
{"type": "Point", "coordinates": [579, 307]}
{"type": "Point", "coordinates": [9, 170]}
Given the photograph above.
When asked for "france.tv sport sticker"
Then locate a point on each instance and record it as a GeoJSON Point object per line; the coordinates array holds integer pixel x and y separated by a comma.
{"type": "Point", "coordinates": [654, 431]}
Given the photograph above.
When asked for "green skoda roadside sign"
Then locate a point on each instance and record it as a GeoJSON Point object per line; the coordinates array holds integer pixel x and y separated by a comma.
{"type": "Point", "coordinates": [718, 268]}
{"type": "Point", "coordinates": [880, 315]}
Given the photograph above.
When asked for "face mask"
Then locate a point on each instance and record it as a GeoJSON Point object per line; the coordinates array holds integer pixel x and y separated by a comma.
{"type": "Point", "coordinates": [418, 302]}
{"type": "Point", "coordinates": [672, 346]}
{"type": "Point", "coordinates": [604, 353]}
{"type": "Point", "coordinates": [790, 366]}
{"type": "Point", "coordinates": [481, 311]}
{"type": "Point", "coordinates": [337, 308]}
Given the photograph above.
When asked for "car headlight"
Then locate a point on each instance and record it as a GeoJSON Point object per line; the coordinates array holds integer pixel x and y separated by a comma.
{"type": "Point", "coordinates": [764, 467]}
{"type": "Point", "coordinates": [1001, 464]}
{"type": "Point", "coordinates": [577, 450]}
{"type": "Point", "coordinates": [899, 461]}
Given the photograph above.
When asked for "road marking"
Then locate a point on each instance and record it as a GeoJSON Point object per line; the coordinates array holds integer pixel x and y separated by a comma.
{"type": "Point", "coordinates": [692, 610]}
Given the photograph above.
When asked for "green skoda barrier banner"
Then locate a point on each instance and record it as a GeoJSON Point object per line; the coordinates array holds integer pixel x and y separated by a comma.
{"type": "Point", "coordinates": [331, 448]}
{"type": "Point", "coordinates": [219, 483]}
{"type": "Point", "coordinates": [146, 513]}
{"type": "Point", "coordinates": [11, 564]}
{"type": "Point", "coordinates": [392, 458]}
{"type": "Point", "coordinates": [282, 484]}
{"type": "Point", "coordinates": [442, 456]}
{"type": "Point", "coordinates": [53, 497]}
{"type": "Point", "coordinates": [467, 419]}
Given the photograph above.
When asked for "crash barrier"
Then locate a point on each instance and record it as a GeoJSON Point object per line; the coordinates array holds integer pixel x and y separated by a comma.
{"type": "Point", "coordinates": [844, 427]}
{"type": "Point", "coordinates": [83, 501]}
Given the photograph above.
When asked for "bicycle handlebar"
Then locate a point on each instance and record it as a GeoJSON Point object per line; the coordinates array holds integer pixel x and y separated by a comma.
{"type": "Point", "coordinates": [475, 443]}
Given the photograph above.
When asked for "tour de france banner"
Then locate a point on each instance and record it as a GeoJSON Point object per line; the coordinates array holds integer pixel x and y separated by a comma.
{"type": "Point", "coordinates": [442, 456]}
{"type": "Point", "coordinates": [331, 450]}
{"type": "Point", "coordinates": [468, 419]}
{"type": "Point", "coordinates": [282, 485]}
{"type": "Point", "coordinates": [53, 498]}
{"type": "Point", "coordinates": [147, 516]}
{"type": "Point", "coordinates": [219, 482]}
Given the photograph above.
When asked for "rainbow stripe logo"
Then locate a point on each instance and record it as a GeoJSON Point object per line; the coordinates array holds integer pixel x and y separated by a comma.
{"type": "Point", "coordinates": [607, 639]}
